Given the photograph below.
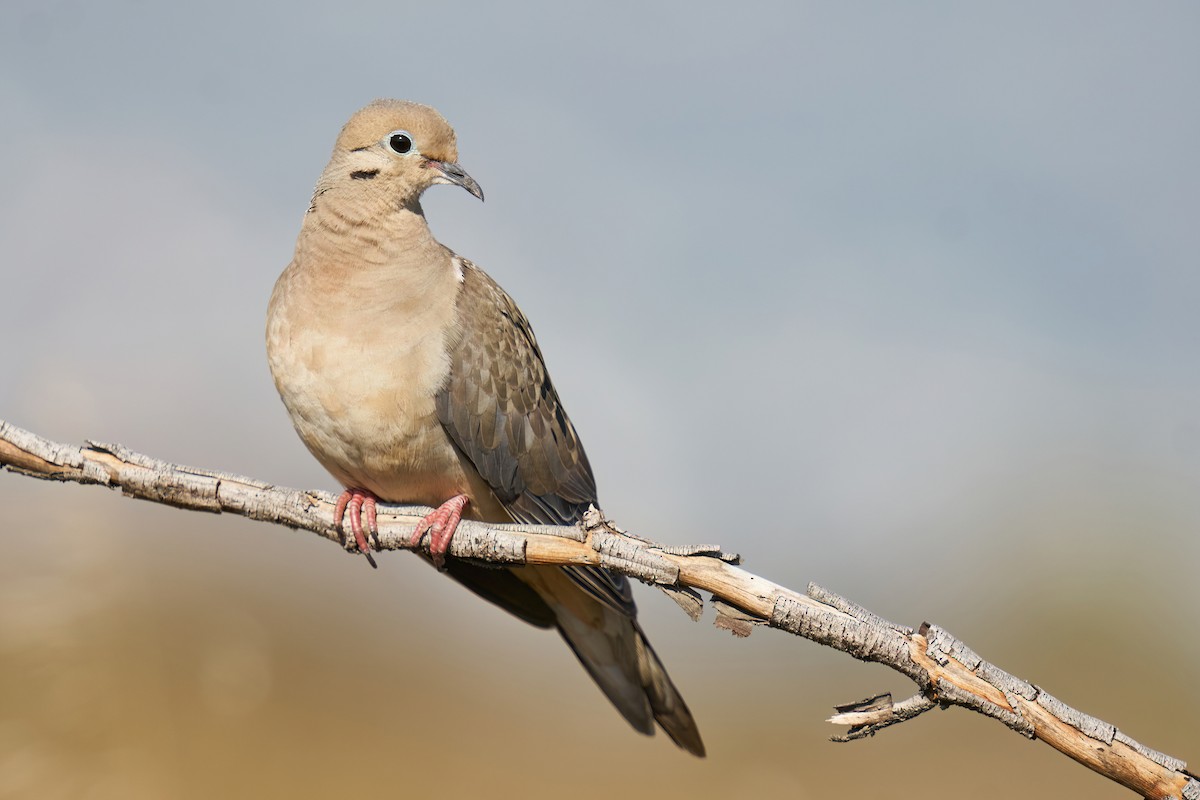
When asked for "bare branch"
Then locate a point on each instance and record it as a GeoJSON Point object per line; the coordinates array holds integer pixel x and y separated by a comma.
{"type": "Point", "coordinates": [946, 671]}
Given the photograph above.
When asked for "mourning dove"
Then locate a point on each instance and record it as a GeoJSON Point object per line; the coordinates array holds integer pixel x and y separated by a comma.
{"type": "Point", "coordinates": [413, 377]}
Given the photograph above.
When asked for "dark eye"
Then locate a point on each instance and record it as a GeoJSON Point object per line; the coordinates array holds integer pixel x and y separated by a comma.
{"type": "Point", "coordinates": [400, 142]}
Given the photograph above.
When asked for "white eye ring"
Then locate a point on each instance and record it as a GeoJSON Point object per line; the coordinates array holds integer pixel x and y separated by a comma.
{"type": "Point", "coordinates": [400, 142]}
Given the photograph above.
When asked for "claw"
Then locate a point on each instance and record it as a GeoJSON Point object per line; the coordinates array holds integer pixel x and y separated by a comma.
{"type": "Point", "coordinates": [356, 501]}
{"type": "Point", "coordinates": [441, 523]}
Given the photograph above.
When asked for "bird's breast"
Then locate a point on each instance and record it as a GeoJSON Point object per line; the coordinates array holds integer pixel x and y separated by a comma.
{"type": "Point", "coordinates": [359, 380]}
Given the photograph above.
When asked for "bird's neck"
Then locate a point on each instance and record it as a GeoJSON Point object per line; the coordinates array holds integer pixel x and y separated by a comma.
{"type": "Point", "coordinates": [381, 250]}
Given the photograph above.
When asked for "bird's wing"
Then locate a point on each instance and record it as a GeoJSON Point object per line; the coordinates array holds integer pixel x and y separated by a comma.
{"type": "Point", "coordinates": [501, 410]}
{"type": "Point", "coordinates": [503, 414]}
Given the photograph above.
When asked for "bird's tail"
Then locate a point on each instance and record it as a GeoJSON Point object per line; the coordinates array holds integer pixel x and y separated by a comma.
{"type": "Point", "coordinates": [614, 650]}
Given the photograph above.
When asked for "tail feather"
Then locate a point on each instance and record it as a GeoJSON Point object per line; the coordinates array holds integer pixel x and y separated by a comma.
{"type": "Point", "coordinates": [670, 710]}
{"type": "Point", "coordinates": [614, 650]}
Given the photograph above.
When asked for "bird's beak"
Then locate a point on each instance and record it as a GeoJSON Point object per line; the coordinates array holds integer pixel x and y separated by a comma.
{"type": "Point", "coordinates": [453, 173]}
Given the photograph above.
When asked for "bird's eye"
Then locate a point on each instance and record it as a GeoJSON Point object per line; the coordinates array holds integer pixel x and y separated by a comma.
{"type": "Point", "coordinates": [400, 141]}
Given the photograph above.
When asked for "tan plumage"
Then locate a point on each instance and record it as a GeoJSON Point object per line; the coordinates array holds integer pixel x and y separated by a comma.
{"type": "Point", "coordinates": [412, 376]}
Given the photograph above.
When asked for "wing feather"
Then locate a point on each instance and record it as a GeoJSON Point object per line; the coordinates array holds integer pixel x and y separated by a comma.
{"type": "Point", "coordinates": [501, 410]}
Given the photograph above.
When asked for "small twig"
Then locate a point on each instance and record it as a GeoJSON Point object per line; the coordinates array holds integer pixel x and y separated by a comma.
{"type": "Point", "coordinates": [876, 713]}
{"type": "Point", "coordinates": [946, 671]}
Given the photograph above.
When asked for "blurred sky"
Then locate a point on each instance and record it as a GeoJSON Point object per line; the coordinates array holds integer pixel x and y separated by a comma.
{"type": "Point", "coordinates": [899, 298]}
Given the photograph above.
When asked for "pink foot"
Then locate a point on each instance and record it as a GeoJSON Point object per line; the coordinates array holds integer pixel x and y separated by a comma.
{"type": "Point", "coordinates": [441, 523]}
{"type": "Point", "coordinates": [356, 501]}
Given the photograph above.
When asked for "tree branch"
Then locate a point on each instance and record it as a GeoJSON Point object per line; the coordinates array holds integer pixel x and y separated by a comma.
{"type": "Point", "coordinates": [946, 671]}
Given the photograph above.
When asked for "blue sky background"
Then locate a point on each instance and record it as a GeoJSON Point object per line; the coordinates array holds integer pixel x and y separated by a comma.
{"type": "Point", "coordinates": [899, 298]}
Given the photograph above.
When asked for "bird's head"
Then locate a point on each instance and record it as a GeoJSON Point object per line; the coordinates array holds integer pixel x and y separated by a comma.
{"type": "Point", "coordinates": [396, 149]}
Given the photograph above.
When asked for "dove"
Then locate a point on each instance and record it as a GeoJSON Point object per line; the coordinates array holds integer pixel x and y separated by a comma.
{"type": "Point", "coordinates": [412, 377]}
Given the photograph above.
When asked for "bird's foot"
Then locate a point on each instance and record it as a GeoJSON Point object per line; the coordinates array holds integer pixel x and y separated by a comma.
{"type": "Point", "coordinates": [441, 523]}
{"type": "Point", "coordinates": [357, 501]}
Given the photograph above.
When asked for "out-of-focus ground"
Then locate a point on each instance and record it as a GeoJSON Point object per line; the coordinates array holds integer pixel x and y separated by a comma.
{"type": "Point", "coordinates": [902, 301]}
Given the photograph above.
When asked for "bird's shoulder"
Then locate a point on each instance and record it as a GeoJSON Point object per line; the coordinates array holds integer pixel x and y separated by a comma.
{"type": "Point", "coordinates": [494, 351]}
{"type": "Point", "coordinates": [482, 301]}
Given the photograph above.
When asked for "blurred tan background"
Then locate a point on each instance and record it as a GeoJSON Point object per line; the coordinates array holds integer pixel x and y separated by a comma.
{"type": "Point", "coordinates": [899, 299]}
